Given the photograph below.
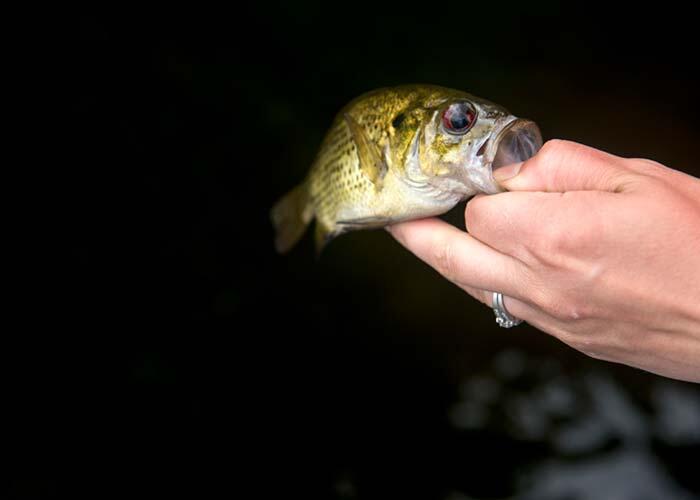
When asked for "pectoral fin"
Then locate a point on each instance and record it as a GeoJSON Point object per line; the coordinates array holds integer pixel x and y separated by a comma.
{"type": "Point", "coordinates": [371, 161]}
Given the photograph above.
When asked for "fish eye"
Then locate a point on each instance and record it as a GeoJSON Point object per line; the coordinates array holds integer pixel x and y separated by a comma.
{"type": "Point", "coordinates": [458, 118]}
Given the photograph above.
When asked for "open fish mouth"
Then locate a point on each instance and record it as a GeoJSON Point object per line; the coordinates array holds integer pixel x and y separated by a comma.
{"type": "Point", "coordinates": [517, 141]}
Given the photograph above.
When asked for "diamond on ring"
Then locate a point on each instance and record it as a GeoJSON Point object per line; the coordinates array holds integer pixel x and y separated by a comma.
{"type": "Point", "coordinates": [503, 318]}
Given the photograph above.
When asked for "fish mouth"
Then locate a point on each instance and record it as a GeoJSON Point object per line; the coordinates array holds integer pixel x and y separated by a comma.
{"type": "Point", "coordinates": [517, 141]}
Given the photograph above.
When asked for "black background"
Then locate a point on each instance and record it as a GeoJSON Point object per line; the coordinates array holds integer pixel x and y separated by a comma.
{"type": "Point", "coordinates": [186, 356]}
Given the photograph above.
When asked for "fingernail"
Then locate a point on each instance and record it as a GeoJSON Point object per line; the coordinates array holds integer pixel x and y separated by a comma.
{"type": "Point", "coordinates": [508, 172]}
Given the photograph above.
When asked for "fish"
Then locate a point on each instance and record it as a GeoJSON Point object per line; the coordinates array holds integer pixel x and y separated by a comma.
{"type": "Point", "coordinates": [401, 153]}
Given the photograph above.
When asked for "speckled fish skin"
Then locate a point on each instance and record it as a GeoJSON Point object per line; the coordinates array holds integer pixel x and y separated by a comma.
{"type": "Point", "coordinates": [387, 157]}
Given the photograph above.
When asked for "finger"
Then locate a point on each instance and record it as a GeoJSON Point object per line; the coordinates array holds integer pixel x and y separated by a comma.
{"type": "Point", "coordinates": [515, 307]}
{"type": "Point", "coordinates": [562, 166]}
{"type": "Point", "coordinates": [459, 257]}
{"type": "Point", "coordinates": [520, 223]}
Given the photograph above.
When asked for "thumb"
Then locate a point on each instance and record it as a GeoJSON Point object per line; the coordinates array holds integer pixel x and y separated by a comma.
{"type": "Point", "coordinates": [562, 166]}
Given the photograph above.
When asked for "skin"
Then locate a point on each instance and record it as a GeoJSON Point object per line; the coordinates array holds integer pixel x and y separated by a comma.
{"type": "Point", "coordinates": [599, 251]}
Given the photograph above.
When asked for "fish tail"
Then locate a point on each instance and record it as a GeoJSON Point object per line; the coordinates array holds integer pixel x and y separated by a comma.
{"type": "Point", "coordinates": [290, 216]}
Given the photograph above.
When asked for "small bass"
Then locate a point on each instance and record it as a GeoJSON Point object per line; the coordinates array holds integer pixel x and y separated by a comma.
{"type": "Point", "coordinates": [402, 153]}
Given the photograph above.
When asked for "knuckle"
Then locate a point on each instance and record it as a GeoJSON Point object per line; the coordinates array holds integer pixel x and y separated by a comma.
{"type": "Point", "coordinates": [565, 307]}
{"type": "Point", "coordinates": [444, 260]}
{"type": "Point", "coordinates": [548, 249]}
{"type": "Point", "coordinates": [554, 147]}
{"type": "Point", "coordinates": [552, 150]}
{"type": "Point", "coordinates": [556, 153]}
{"type": "Point", "coordinates": [574, 310]}
{"type": "Point", "coordinates": [650, 164]}
{"type": "Point", "coordinates": [543, 300]}
{"type": "Point", "coordinates": [560, 241]}
{"type": "Point", "coordinates": [646, 170]}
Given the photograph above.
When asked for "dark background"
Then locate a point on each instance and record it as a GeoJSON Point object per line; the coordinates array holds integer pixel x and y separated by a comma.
{"type": "Point", "coordinates": [185, 356]}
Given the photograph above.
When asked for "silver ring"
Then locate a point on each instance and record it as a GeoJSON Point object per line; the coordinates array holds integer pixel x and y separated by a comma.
{"type": "Point", "coordinates": [503, 317]}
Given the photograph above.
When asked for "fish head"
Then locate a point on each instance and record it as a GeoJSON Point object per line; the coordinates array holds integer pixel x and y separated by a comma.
{"type": "Point", "coordinates": [464, 138]}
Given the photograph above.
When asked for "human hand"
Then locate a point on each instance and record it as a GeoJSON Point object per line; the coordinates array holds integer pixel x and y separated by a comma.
{"type": "Point", "coordinates": [600, 251]}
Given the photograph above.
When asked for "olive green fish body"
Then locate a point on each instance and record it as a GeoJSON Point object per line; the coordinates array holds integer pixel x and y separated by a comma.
{"type": "Point", "coordinates": [396, 154]}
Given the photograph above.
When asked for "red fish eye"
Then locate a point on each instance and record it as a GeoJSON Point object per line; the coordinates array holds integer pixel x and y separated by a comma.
{"type": "Point", "coordinates": [458, 118]}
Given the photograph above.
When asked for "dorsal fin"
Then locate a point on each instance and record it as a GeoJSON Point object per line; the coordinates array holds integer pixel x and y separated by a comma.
{"type": "Point", "coordinates": [371, 162]}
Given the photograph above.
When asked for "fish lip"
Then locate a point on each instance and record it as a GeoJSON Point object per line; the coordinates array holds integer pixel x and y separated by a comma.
{"type": "Point", "coordinates": [495, 138]}
{"type": "Point", "coordinates": [494, 141]}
